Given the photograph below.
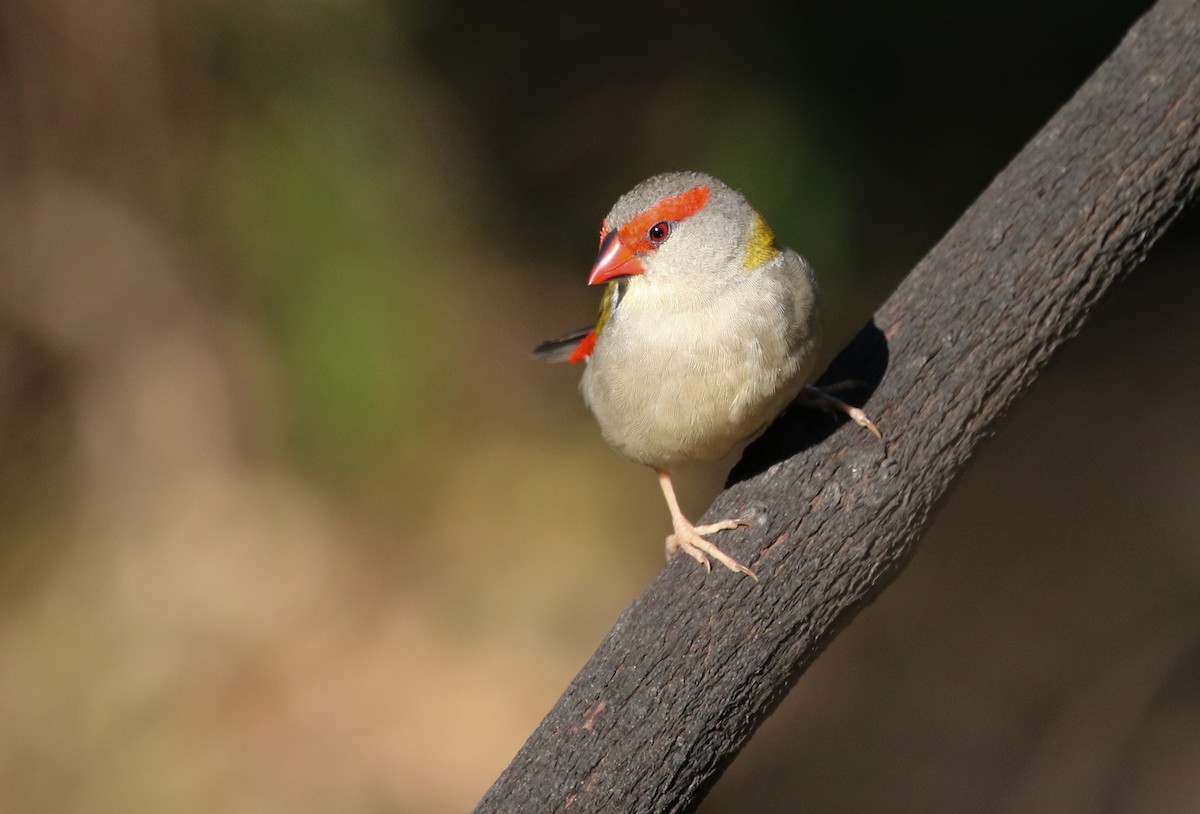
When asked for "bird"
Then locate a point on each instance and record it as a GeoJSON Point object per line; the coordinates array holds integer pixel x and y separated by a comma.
{"type": "Point", "coordinates": [708, 329]}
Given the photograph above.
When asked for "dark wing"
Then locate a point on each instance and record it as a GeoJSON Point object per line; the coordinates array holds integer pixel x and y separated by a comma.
{"type": "Point", "coordinates": [563, 348]}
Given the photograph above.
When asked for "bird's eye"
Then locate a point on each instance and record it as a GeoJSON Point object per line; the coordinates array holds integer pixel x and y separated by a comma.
{"type": "Point", "coordinates": [659, 231]}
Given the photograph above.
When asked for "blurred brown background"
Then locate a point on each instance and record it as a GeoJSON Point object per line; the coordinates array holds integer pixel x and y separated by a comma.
{"type": "Point", "coordinates": [290, 521]}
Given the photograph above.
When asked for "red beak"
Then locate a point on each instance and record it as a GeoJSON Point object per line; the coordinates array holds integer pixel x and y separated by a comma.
{"type": "Point", "coordinates": [615, 260]}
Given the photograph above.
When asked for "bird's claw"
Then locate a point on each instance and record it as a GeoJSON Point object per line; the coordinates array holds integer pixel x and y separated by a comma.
{"type": "Point", "coordinates": [691, 539]}
{"type": "Point", "coordinates": [822, 398]}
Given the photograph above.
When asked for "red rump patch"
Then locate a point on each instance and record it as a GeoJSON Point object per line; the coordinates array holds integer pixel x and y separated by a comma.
{"type": "Point", "coordinates": [584, 349]}
{"type": "Point", "coordinates": [674, 209]}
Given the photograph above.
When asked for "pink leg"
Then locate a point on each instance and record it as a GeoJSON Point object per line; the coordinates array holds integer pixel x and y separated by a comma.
{"type": "Point", "coordinates": [691, 538]}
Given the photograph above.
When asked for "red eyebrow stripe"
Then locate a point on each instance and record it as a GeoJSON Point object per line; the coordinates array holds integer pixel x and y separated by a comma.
{"type": "Point", "coordinates": [676, 208]}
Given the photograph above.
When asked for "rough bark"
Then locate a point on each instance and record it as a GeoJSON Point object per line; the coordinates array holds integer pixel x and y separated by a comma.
{"type": "Point", "coordinates": [696, 663]}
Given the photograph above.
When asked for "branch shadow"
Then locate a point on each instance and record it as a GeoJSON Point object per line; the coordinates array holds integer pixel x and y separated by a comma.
{"type": "Point", "coordinates": [864, 361]}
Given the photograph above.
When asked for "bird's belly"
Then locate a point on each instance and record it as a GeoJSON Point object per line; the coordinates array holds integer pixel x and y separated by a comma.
{"type": "Point", "coordinates": [663, 405]}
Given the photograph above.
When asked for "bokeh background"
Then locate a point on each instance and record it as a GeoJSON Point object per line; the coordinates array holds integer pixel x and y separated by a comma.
{"type": "Point", "coordinates": [291, 521]}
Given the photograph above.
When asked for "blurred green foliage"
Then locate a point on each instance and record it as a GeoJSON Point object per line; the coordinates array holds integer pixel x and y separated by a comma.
{"type": "Point", "coordinates": [334, 189]}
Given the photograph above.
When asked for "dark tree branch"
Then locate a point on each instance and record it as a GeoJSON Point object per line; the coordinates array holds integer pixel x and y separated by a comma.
{"type": "Point", "coordinates": [693, 667]}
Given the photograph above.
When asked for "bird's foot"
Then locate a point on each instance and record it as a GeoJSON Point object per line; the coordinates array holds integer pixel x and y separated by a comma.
{"type": "Point", "coordinates": [823, 399]}
{"type": "Point", "coordinates": [691, 540]}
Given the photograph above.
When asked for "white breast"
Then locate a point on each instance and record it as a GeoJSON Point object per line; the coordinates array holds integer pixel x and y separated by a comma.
{"type": "Point", "coordinates": [682, 376]}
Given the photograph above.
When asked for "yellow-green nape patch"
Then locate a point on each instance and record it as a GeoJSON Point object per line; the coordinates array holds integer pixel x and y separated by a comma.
{"type": "Point", "coordinates": [761, 246]}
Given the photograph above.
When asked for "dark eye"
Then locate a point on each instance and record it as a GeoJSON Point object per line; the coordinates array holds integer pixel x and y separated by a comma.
{"type": "Point", "coordinates": [659, 231]}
